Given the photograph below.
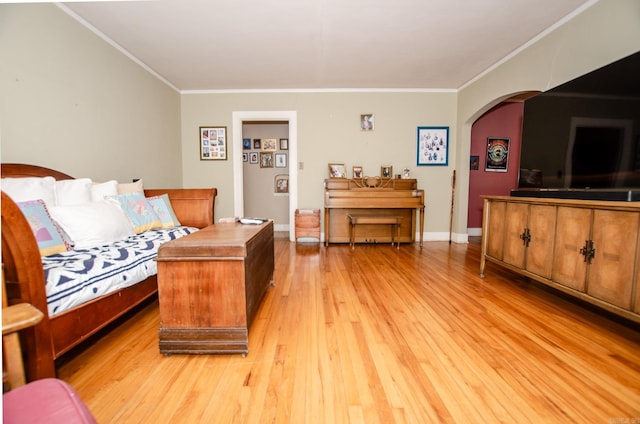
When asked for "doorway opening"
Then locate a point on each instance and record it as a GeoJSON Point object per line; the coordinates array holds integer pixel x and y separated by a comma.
{"type": "Point", "coordinates": [238, 120]}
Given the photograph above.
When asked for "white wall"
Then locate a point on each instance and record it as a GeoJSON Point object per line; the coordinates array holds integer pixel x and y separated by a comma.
{"type": "Point", "coordinates": [72, 102]}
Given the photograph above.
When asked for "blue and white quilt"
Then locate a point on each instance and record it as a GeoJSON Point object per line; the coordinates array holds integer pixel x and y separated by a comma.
{"type": "Point", "coordinates": [78, 276]}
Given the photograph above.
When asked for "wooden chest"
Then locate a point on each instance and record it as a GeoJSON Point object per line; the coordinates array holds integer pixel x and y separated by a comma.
{"type": "Point", "coordinates": [210, 285]}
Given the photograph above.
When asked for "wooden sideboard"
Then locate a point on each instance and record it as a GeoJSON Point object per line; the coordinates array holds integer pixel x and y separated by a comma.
{"type": "Point", "coordinates": [588, 249]}
{"type": "Point", "coordinates": [383, 197]}
{"type": "Point", "coordinates": [210, 285]}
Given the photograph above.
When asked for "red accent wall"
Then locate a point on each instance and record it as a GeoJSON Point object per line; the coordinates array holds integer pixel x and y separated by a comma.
{"type": "Point", "coordinates": [503, 121]}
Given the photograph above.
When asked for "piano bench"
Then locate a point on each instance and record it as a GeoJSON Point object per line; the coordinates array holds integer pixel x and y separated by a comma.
{"type": "Point", "coordinates": [392, 220]}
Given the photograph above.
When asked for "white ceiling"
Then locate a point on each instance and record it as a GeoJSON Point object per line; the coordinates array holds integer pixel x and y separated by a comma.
{"type": "Point", "coordinates": [321, 44]}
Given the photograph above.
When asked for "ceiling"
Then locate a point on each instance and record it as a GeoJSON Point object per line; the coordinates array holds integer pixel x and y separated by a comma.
{"type": "Point", "coordinates": [321, 44]}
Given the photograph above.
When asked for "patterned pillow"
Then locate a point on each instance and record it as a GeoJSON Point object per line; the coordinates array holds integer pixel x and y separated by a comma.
{"type": "Point", "coordinates": [162, 207]}
{"type": "Point", "coordinates": [138, 210]}
{"type": "Point", "coordinates": [48, 235]}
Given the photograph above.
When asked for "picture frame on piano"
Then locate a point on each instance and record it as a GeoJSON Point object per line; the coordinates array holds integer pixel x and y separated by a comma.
{"type": "Point", "coordinates": [386, 172]}
{"type": "Point", "coordinates": [337, 170]}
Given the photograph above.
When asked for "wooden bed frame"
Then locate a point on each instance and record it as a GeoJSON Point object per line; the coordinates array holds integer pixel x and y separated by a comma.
{"type": "Point", "coordinates": [23, 271]}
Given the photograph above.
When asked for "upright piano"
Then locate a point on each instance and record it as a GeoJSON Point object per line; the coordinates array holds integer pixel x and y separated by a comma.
{"type": "Point", "coordinates": [375, 196]}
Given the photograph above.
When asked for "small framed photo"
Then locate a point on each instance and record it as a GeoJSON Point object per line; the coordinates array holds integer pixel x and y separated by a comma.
{"type": "Point", "coordinates": [256, 143]}
{"type": "Point", "coordinates": [433, 146]}
{"type": "Point", "coordinates": [281, 160]}
{"type": "Point", "coordinates": [366, 122]}
{"type": "Point", "coordinates": [266, 159]}
{"type": "Point", "coordinates": [269, 144]}
{"type": "Point", "coordinates": [357, 172]}
{"type": "Point", "coordinates": [246, 143]}
{"type": "Point", "coordinates": [253, 157]}
{"type": "Point", "coordinates": [213, 143]}
{"type": "Point", "coordinates": [386, 171]}
{"type": "Point", "coordinates": [245, 157]}
{"type": "Point", "coordinates": [284, 144]}
{"type": "Point", "coordinates": [281, 184]}
{"type": "Point", "coordinates": [337, 170]}
{"type": "Point", "coordinates": [474, 163]}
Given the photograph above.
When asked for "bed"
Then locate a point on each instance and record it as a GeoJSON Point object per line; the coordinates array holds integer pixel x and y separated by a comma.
{"type": "Point", "coordinates": [23, 270]}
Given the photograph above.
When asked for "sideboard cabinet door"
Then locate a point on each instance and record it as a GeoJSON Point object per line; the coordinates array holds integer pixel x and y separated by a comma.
{"type": "Point", "coordinates": [516, 223]}
{"type": "Point", "coordinates": [542, 223]}
{"type": "Point", "coordinates": [496, 213]}
{"type": "Point", "coordinates": [615, 236]}
{"type": "Point", "coordinates": [572, 232]}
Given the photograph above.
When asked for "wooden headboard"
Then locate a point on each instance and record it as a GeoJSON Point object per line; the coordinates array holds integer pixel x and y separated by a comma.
{"type": "Point", "coordinates": [193, 207]}
{"type": "Point", "coordinates": [20, 170]}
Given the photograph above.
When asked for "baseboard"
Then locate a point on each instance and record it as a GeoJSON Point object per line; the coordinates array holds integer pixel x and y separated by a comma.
{"type": "Point", "coordinates": [474, 232]}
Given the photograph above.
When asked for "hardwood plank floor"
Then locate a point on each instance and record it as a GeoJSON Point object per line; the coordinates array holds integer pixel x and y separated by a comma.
{"type": "Point", "coordinates": [377, 335]}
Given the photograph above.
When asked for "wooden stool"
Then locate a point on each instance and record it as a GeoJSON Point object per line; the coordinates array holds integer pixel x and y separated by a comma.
{"type": "Point", "coordinates": [393, 220]}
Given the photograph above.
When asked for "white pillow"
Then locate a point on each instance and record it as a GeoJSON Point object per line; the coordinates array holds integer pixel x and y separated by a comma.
{"type": "Point", "coordinates": [101, 190]}
{"type": "Point", "coordinates": [124, 188]}
{"type": "Point", "coordinates": [73, 192]}
{"type": "Point", "coordinates": [93, 224]}
{"type": "Point", "coordinates": [30, 188]}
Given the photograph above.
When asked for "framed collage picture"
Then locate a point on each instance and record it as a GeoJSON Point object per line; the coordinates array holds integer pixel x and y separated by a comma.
{"type": "Point", "coordinates": [213, 143]}
{"type": "Point", "coordinates": [433, 146]}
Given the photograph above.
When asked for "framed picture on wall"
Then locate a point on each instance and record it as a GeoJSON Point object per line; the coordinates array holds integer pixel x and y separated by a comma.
{"type": "Point", "coordinates": [281, 160]}
{"type": "Point", "coordinates": [246, 143]}
{"type": "Point", "coordinates": [269, 144]}
{"type": "Point", "coordinates": [281, 184]}
{"type": "Point", "coordinates": [266, 159]}
{"type": "Point", "coordinates": [497, 155]}
{"type": "Point", "coordinates": [253, 157]}
{"type": "Point", "coordinates": [284, 144]}
{"type": "Point", "coordinates": [366, 122]}
{"type": "Point", "coordinates": [433, 146]}
{"type": "Point", "coordinates": [474, 163]}
{"type": "Point", "coordinates": [213, 143]}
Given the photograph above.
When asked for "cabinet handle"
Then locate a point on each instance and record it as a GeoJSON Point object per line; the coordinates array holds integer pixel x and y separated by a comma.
{"type": "Point", "coordinates": [588, 251]}
{"type": "Point", "coordinates": [525, 237]}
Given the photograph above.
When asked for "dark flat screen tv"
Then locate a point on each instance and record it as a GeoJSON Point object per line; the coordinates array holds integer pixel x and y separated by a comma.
{"type": "Point", "coordinates": [585, 134]}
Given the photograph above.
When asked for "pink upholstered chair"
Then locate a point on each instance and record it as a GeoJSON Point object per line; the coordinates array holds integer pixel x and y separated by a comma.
{"type": "Point", "coordinates": [48, 400]}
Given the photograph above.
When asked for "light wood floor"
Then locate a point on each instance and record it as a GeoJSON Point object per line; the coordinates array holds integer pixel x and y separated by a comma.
{"type": "Point", "coordinates": [377, 335]}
